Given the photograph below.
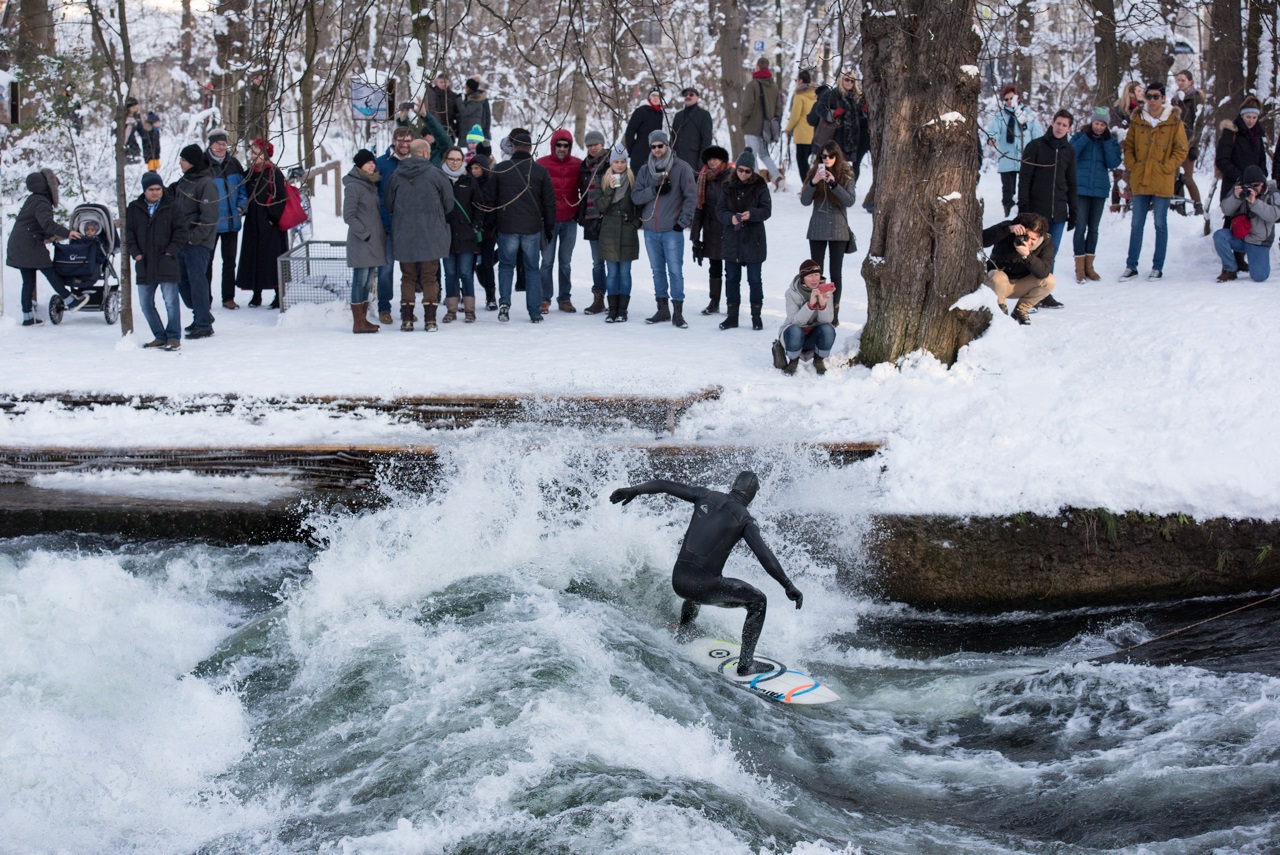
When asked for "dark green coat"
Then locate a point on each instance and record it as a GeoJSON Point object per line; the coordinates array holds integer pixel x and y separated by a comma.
{"type": "Point", "coordinates": [619, 224]}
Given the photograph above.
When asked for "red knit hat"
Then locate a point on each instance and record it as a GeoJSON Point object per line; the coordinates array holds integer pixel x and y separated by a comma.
{"type": "Point", "coordinates": [265, 147]}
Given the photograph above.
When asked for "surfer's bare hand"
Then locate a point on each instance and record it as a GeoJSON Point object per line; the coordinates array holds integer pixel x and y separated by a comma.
{"type": "Point", "coordinates": [623, 495]}
{"type": "Point", "coordinates": [794, 595]}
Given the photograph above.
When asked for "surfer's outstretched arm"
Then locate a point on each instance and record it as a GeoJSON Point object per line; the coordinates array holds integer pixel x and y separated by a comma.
{"type": "Point", "coordinates": [769, 561]}
{"type": "Point", "coordinates": [672, 488]}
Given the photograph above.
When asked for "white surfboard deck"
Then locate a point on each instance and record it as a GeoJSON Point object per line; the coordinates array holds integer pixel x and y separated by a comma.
{"type": "Point", "coordinates": [782, 684]}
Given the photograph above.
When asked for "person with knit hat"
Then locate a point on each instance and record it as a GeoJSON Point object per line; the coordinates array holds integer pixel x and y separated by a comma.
{"type": "Point", "coordinates": [264, 242]}
{"type": "Point", "coordinates": [1097, 154]}
{"type": "Point", "coordinates": [667, 193]}
{"type": "Point", "coordinates": [154, 238]}
{"type": "Point", "coordinates": [475, 137]}
{"type": "Point", "coordinates": [707, 233]}
{"type": "Point", "coordinates": [808, 330]}
{"type": "Point", "coordinates": [196, 211]}
{"type": "Point", "coordinates": [619, 243]}
{"type": "Point", "coordinates": [1009, 132]}
{"type": "Point", "coordinates": [592, 168]}
{"type": "Point", "coordinates": [1251, 211]}
{"type": "Point", "coordinates": [742, 209]}
{"type": "Point", "coordinates": [522, 201]}
{"type": "Point", "coordinates": [1240, 145]}
{"type": "Point", "coordinates": [645, 119]}
{"type": "Point", "coordinates": [28, 247]}
{"type": "Point", "coordinates": [474, 111]}
{"type": "Point", "coordinates": [366, 240]}
{"type": "Point", "coordinates": [228, 177]}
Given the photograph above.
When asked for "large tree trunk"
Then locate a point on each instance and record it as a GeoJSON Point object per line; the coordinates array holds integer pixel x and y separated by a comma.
{"type": "Point", "coordinates": [920, 68]}
{"type": "Point", "coordinates": [1105, 50]}
{"type": "Point", "coordinates": [231, 38]}
{"type": "Point", "coordinates": [1226, 59]}
{"type": "Point", "coordinates": [1024, 25]}
{"type": "Point", "coordinates": [731, 48]}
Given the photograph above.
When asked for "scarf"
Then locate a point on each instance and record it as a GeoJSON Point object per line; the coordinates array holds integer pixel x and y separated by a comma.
{"type": "Point", "coordinates": [661, 164]}
{"type": "Point", "coordinates": [620, 192]}
{"type": "Point", "coordinates": [454, 174]}
{"type": "Point", "coordinates": [372, 178]}
{"type": "Point", "coordinates": [707, 174]}
{"type": "Point", "coordinates": [1010, 131]}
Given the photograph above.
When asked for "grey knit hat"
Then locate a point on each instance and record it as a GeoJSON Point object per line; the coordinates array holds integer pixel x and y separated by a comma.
{"type": "Point", "coordinates": [659, 136]}
{"type": "Point", "coordinates": [746, 159]}
{"type": "Point", "coordinates": [618, 152]}
{"type": "Point", "coordinates": [593, 138]}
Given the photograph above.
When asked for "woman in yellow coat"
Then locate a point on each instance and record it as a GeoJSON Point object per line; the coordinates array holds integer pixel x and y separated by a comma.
{"type": "Point", "coordinates": [798, 126]}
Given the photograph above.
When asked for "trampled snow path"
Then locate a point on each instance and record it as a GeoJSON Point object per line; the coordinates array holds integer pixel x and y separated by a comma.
{"type": "Point", "coordinates": [1155, 396]}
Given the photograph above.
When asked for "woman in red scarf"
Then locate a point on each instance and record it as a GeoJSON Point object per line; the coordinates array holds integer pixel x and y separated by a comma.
{"type": "Point", "coordinates": [264, 242]}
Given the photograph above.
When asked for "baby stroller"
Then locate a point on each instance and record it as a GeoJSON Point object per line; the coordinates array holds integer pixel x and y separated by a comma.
{"type": "Point", "coordinates": [86, 265]}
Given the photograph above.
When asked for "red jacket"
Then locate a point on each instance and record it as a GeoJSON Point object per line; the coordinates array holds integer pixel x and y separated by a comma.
{"type": "Point", "coordinates": [564, 177]}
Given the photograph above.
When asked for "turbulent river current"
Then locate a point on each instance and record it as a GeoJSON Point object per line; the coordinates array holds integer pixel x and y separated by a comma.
{"type": "Point", "coordinates": [487, 667]}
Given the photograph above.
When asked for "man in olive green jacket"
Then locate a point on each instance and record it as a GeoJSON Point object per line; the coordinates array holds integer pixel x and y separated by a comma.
{"type": "Point", "coordinates": [1154, 149]}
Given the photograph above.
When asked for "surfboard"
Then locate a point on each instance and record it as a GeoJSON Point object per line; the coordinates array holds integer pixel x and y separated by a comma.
{"type": "Point", "coordinates": [783, 683]}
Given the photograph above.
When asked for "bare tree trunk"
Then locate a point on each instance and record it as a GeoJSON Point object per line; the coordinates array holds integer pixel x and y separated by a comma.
{"type": "Point", "coordinates": [731, 48]}
{"type": "Point", "coordinates": [1253, 42]}
{"type": "Point", "coordinates": [306, 87]}
{"type": "Point", "coordinates": [187, 41]}
{"type": "Point", "coordinates": [231, 39]}
{"type": "Point", "coordinates": [1226, 59]}
{"type": "Point", "coordinates": [1105, 50]}
{"type": "Point", "coordinates": [1024, 25]}
{"type": "Point", "coordinates": [35, 39]}
{"type": "Point", "coordinates": [920, 69]}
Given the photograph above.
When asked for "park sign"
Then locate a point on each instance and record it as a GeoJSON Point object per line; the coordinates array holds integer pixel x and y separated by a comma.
{"type": "Point", "coordinates": [370, 101]}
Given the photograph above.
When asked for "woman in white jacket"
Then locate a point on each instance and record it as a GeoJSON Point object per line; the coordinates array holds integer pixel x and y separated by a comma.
{"type": "Point", "coordinates": [808, 329]}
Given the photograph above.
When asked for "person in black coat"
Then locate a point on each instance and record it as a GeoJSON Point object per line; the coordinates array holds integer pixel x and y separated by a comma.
{"type": "Point", "coordinates": [691, 130]}
{"type": "Point", "coordinates": [195, 198]}
{"type": "Point", "coordinates": [1047, 180]}
{"type": "Point", "coordinates": [1240, 146]}
{"type": "Point", "coordinates": [264, 242]}
{"type": "Point", "coordinates": [154, 238]}
{"type": "Point", "coordinates": [706, 233]}
{"type": "Point", "coordinates": [28, 248]}
{"type": "Point", "coordinates": [1021, 263]}
{"type": "Point", "coordinates": [742, 209]}
{"type": "Point", "coordinates": [837, 116]}
{"type": "Point", "coordinates": [521, 201]}
{"type": "Point", "coordinates": [466, 221]}
{"type": "Point", "coordinates": [648, 117]}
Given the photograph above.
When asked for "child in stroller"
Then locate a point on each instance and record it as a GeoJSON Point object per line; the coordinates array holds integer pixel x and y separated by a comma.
{"type": "Point", "coordinates": [85, 263]}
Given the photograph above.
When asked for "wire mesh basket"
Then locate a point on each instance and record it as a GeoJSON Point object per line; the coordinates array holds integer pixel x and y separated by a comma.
{"type": "Point", "coordinates": [314, 272]}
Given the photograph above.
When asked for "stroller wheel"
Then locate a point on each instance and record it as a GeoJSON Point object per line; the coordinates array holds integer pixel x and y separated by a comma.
{"type": "Point", "coordinates": [111, 306]}
{"type": "Point", "coordinates": [56, 308]}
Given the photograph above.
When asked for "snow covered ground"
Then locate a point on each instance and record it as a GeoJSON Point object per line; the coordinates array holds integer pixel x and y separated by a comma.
{"type": "Point", "coordinates": [1154, 396]}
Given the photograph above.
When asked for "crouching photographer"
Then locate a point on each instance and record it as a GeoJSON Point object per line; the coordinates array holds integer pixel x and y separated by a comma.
{"type": "Point", "coordinates": [808, 330]}
{"type": "Point", "coordinates": [1252, 211]}
{"type": "Point", "coordinates": [1021, 263]}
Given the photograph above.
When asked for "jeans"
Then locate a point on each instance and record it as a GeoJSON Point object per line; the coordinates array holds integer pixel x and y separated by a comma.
{"type": "Point", "coordinates": [361, 279]}
{"type": "Point", "coordinates": [820, 340]}
{"type": "Point", "coordinates": [227, 248]}
{"type": "Point", "coordinates": [666, 258]}
{"type": "Point", "coordinates": [509, 245]}
{"type": "Point", "coordinates": [171, 330]}
{"type": "Point", "coordinates": [763, 157]}
{"type": "Point", "coordinates": [1088, 216]}
{"type": "Point", "coordinates": [565, 236]}
{"type": "Point", "coordinates": [1259, 257]}
{"type": "Point", "coordinates": [193, 261]}
{"type": "Point", "coordinates": [459, 274]}
{"type": "Point", "coordinates": [29, 286]}
{"type": "Point", "coordinates": [617, 277]}
{"type": "Point", "coordinates": [386, 280]}
{"type": "Point", "coordinates": [598, 276]}
{"type": "Point", "coordinates": [1056, 231]}
{"type": "Point", "coordinates": [733, 283]}
{"type": "Point", "coordinates": [1141, 204]}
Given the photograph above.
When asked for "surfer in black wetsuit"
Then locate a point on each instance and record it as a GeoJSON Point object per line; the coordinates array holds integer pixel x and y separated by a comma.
{"type": "Point", "coordinates": [719, 521]}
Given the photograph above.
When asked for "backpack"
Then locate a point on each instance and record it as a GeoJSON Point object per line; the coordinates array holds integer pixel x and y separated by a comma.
{"type": "Point", "coordinates": [771, 129]}
{"type": "Point", "coordinates": [294, 214]}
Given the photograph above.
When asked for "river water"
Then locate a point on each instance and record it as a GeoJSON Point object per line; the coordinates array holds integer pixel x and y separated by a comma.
{"type": "Point", "coordinates": [487, 668]}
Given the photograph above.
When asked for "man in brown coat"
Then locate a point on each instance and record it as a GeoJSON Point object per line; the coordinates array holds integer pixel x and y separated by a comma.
{"type": "Point", "coordinates": [1154, 149]}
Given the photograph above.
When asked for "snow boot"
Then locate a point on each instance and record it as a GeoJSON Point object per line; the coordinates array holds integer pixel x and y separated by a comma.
{"type": "Point", "coordinates": [360, 323]}
{"type": "Point", "coordinates": [406, 317]}
{"type": "Point", "coordinates": [791, 366]}
{"type": "Point", "coordinates": [662, 315]}
{"type": "Point", "coordinates": [624, 300]}
{"type": "Point", "coordinates": [468, 310]}
{"type": "Point", "coordinates": [1080, 270]}
{"type": "Point", "coordinates": [713, 308]}
{"type": "Point", "coordinates": [429, 317]}
{"type": "Point", "coordinates": [490, 304]}
{"type": "Point", "coordinates": [677, 317]}
{"type": "Point", "coordinates": [1242, 265]}
{"type": "Point", "coordinates": [450, 310]}
{"type": "Point", "coordinates": [756, 322]}
{"type": "Point", "coordinates": [612, 317]}
{"type": "Point", "coordinates": [730, 321]}
{"type": "Point", "coordinates": [597, 304]}
{"type": "Point", "coordinates": [1089, 272]}
{"type": "Point", "coordinates": [1227, 275]}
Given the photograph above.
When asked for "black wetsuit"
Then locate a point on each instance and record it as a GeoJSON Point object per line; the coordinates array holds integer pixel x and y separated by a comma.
{"type": "Point", "coordinates": [719, 521]}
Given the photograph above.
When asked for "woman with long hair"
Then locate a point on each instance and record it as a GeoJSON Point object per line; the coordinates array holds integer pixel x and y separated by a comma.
{"type": "Point", "coordinates": [829, 189]}
{"type": "Point", "coordinates": [263, 240]}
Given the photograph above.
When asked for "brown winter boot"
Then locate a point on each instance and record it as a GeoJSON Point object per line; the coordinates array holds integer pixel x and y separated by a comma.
{"type": "Point", "coordinates": [469, 310]}
{"type": "Point", "coordinates": [406, 317]}
{"type": "Point", "coordinates": [597, 304]}
{"type": "Point", "coordinates": [429, 317]}
{"type": "Point", "coordinates": [450, 309]}
{"type": "Point", "coordinates": [359, 321]}
{"type": "Point", "coordinates": [1080, 274]}
{"type": "Point", "coordinates": [1089, 272]}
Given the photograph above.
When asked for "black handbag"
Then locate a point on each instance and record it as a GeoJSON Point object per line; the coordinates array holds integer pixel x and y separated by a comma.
{"type": "Point", "coordinates": [779, 355]}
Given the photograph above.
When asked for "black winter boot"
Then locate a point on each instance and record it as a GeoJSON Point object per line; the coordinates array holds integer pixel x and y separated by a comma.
{"type": "Point", "coordinates": [1242, 265]}
{"type": "Point", "coordinates": [713, 308]}
{"type": "Point", "coordinates": [612, 317]}
{"type": "Point", "coordinates": [662, 315]}
{"type": "Point", "coordinates": [677, 317]}
{"type": "Point", "coordinates": [756, 323]}
{"type": "Point", "coordinates": [730, 321]}
{"type": "Point", "coordinates": [624, 300]}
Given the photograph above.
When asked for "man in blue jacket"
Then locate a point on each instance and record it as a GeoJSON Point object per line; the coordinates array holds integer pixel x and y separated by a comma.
{"type": "Point", "coordinates": [228, 177]}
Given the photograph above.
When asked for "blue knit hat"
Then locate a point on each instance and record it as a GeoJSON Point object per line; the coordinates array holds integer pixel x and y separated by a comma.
{"type": "Point", "coordinates": [475, 135]}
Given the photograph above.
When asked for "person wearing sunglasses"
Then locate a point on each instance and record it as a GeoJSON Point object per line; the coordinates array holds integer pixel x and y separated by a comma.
{"type": "Point", "coordinates": [565, 172]}
{"type": "Point", "coordinates": [828, 187]}
{"type": "Point", "coordinates": [1252, 209]}
{"type": "Point", "coordinates": [1009, 132]}
{"type": "Point", "coordinates": [667, 195]}
{"type": "Point", "coordinates": [1154, 149]}
{"type": "Point", "coordinates": [691, 129]}
{"type": "Point", "coordinates": [742, 209]}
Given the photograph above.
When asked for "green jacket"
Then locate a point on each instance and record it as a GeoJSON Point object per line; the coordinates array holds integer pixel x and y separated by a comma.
{"type": "Point", "coordinates": [619, 222]}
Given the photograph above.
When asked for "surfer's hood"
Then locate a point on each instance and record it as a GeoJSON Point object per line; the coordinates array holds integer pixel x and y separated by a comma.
{"type": "Point", "coordinates": [745, 487]}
